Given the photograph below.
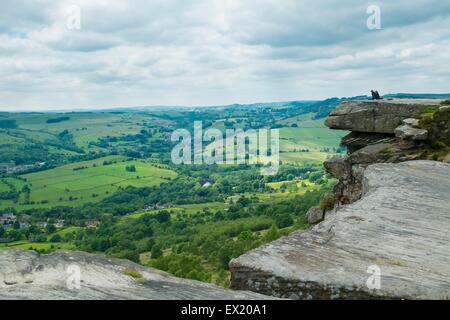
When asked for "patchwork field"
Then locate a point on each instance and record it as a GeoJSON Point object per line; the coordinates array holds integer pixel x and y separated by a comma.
{"type": "Point", "coordinates": [304, 121]}
{"type": "Point", "coordinates": [305, 157]}
{"type": "Point", "coordinates": [314, 139]}
{"type": "Point", "coordinates": [308, 140]}
{"type": "Point", "coordinates": [88, 181]}
{"type": "Point", "coordinates": [84, 126]}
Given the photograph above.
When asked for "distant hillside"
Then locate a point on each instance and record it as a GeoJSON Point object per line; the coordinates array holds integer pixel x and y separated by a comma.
{"type": "Point", "coordinates": [321, 108]}
{"type": "Point", "coordinates": [418, 95]}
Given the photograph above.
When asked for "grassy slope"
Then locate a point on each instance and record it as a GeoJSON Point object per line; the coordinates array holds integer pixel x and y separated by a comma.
{"type": "Point", "coordinates": [85, 126]}
{"type": "Point", "coordinates": [63, 182]}
{"type": "Point", "coordinates": [310, 134]}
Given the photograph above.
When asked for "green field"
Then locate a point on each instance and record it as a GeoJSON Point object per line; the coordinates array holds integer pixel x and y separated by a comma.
{"type": "Point", "coordinates": [303, 121]}
{"type": "Point", "coordinates": [84, 126]}
{"type": "Point", "coordinates": [185, 208]}
{"type": "Point", "coordinates": [311, 135]}
{"type": "Point", "coordinates": [91, 181]}
{"type": "Point", "coordinates": [46, 246]}
{"type": "Point", "coordinates": [309, 138]}
{"type": "Point", "coordinates": [305, 157]}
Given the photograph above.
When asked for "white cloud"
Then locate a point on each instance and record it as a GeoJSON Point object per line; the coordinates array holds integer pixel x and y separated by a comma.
{"type": "Point", "coordinates": [206, 52]}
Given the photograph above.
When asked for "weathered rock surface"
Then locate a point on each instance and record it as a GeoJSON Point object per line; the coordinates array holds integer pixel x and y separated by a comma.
{"type": "Point", "coordinates": [28, 275]}
{"type": "Point", "coordinates": [400, 225]}
{"type": "Point", "coordinates": [408, 132]}
{"type": "Point", "coordinates": [380, 116]}
{"type": "Point", "coordinates": [357, 140]}
{"type": "Point", "coordinates": [411, 122]}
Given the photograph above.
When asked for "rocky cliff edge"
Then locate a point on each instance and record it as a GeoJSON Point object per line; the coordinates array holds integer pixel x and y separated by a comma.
{"type": "Point", "coordinates": [398, 230]}
{"type": "Point", "coordinates": [387, 236]}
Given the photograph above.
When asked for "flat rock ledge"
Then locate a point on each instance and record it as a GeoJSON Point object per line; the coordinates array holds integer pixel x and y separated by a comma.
{"type": "Point", "coordinates": [400, 227]}
{"type": "Point", "coordinates": [380, 116]}
{"type": "Point", "coordinates": [29, 275]}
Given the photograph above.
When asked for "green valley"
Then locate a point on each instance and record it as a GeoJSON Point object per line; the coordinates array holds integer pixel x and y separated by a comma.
{"type": "Point", "coordinates": [105, 182]}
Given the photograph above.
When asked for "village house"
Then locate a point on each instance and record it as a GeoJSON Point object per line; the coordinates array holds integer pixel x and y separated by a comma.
{"type": "Point", "coordinates": [158, 206]}
{"type": "Point", "coordinates": [24, 225]}
{"type": "Point", "coordinates": [41, 224]}
{"type": "Point", "coordinates": [11, 167]}
{"type": "Point", "coordinates": [4, 166]}
{"type": "Point", "coordinates": [92, 222]}
{"type": "Point", "coordinates": [60, 223]}
{"type": "Point", "coordinates": [7, 218]}
{"type": "Point", "coordinates": [24, 217]}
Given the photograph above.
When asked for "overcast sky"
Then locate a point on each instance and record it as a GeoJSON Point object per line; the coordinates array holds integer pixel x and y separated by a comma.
{"type": "Point", "coordinates": [207, 52]}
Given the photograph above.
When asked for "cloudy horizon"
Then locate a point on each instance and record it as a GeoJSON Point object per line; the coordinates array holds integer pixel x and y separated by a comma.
{"type": "Point", "coordinates": [208, 52]}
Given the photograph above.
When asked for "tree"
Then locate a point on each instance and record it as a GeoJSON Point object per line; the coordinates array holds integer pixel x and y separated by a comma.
{"type": "Point", "coordinates": [162, 216]}
{"type": "Point", "coordinates": [41, 238]}
{"type": "Point", "coordinates": [15, 235]}
{"type": "Point", "coordinates": [56, 238]}
{"type": "Point", "coordinates": [314, 176]}
{"type": "Point", "coordinates": [50, 228]}
{"type": "Point", "coordinates": [149, 244]}
{"type": "Point", "coordinates": [283, 220]}
{"type": "Point", "coordinates": [156, 252]}
{"type": "Point", "coordinates": [183, 265]}
{"type": "Point", "coordinates": [271, 234]}
{"type": "Point", "coordinates": [131, 168]}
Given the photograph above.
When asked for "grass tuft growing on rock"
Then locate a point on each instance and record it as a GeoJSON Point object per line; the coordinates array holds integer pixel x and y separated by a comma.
{"type": "Point", "coordinates": [436, 120]}
{"type": "Point", "coordinates": [135, 274]}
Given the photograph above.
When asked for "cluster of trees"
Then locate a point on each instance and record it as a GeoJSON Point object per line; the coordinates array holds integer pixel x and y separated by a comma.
{"type": "Point", "coordinates": [197, 246]}
{"type": "Point", "coordinates": [58, 119]}
{"type": "Point", "coordinates": [34, 234]}
{"type": "Point", "coordinates": [131, 168]}
{"type": "Point", "coordinates": [8, 123]}
{"type": "Point", "coordinates": [12, 193]}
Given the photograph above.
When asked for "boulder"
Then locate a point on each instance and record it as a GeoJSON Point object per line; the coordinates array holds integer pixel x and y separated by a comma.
{"type": "Point", "coordinates": [380, 116]}
{"type": "Point", "coordinates": [391, 244]}
{"type": "Point", "coordinates": [314, 215]}
{"type": "Point", "coordinates": [338, 167]}
{"type": "Point", "coordinates": [411, 122]}
{"type": "Point", "coordinates": [407, 132]}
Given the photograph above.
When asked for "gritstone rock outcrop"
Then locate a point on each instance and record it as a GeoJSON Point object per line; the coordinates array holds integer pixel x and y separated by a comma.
{"type": "Point", "coordinates": [29, 275]}
{"type": "Point", "coordinates": [400, 227]}
{"type": "Point", "coordinates": [386, 131]}
{"type": "Point", "coordinates": [391, 218]}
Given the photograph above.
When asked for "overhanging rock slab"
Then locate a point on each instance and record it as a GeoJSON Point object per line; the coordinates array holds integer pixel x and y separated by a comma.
{"type": "Point", "coordinates": [380, 116]}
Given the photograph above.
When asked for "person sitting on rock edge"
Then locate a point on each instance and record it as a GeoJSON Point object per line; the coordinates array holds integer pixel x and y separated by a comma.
{"type": "Point", "coordinates": [375, 95]}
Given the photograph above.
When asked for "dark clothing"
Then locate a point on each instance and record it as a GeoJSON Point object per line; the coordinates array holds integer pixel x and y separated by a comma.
{"type": "Point", "coordinates": [375, 95]}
